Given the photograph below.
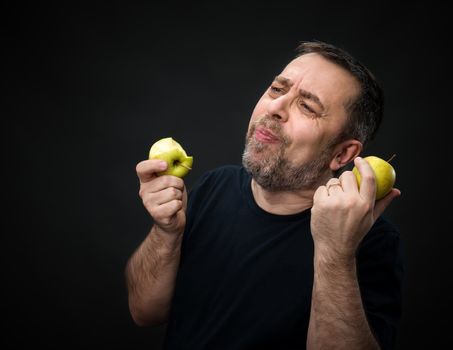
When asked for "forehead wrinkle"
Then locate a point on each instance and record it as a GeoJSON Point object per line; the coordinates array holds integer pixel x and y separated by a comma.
{"type": "Point", "coordinates": [304, 93]}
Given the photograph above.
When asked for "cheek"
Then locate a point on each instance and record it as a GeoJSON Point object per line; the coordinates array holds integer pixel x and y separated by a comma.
{"type": "Point", "coordinates": [307, 142]}
{"type": "Point", "coordinates": [303, 132]}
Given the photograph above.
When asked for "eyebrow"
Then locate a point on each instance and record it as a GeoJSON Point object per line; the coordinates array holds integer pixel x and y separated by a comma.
{"type": "Point", "coordinates": [304, 93]}
{"type": "Point", "coordinates": [283, 81]}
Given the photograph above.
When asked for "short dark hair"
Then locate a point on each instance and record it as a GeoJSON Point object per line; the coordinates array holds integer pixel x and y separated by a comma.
{"type": "Point", "coordinates": [366, 110]}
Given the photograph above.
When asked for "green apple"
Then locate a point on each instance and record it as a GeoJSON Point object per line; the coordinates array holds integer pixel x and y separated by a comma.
{"type": "Point", "coordinates": [167, 149]}
{"type": "Point", "coordinates": [384, 172]}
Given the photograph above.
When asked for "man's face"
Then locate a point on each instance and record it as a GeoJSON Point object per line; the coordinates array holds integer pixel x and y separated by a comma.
{"type": "Point", "coordinates": [289, 143]}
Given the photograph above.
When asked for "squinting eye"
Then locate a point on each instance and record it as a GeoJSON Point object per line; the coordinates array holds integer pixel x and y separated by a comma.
{"type": "Point", "coordinates": [308, 109]}
{"type": "Point", "coordinates": [275, 89]}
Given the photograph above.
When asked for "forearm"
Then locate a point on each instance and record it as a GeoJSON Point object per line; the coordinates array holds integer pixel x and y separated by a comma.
{"type": "Point", "coordinates": [150, 276]}
{"type": "Point", "coordinates": [337, 319]}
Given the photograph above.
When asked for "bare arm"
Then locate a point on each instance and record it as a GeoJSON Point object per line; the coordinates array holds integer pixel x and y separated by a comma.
{"type": "Point", "coordinates": [151, 271]}
{"type": "Point", "coordinates": [337, 319]}
{"type": "Point", "coordinates": [341, 216]}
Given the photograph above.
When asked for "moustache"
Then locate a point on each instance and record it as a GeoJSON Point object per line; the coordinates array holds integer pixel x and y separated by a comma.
{"type": "Point", "coordinates": [276, 128]}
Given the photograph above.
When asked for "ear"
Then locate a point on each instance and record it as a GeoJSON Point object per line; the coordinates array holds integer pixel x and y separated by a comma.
{"type": "Point", "coordinates": [344, 153]}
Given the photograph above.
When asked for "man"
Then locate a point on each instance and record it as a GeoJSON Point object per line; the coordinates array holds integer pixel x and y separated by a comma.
{"type": "Point", "coordinates": [280, 253]}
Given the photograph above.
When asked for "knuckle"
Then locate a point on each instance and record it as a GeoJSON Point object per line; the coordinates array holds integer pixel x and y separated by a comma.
{"type": "Point", "coordinates": [149, 204]}
{"type": "Point", "coordinates": [169, 193]}
{"type": "Point", "coordinates": [368, 177]}
{"type": "Point", "coordinates": [367, 207]}
{"type": "Point", "coordinates": [173, 205]}
{"type": "Point", "coordinates": [179, 183]}
{"type": "Point", "coordinates": [139, 167]}
{"type": "Point", "coordinates": [172, 181]}
{"type": "Point", "coordinates": [176, 205]}
{"type": "Point", "coordinates": [153, 212]}
{"type": "Point", "coordinates": [166, 211]}
{"type": "Point", "coordinates": [178, 194]}
{"type": "Point", "coordinates": [142, 192]}
{"type": "Point", "coordinates": [166, 181]}
{"type": "Point", "coordinates": [346, 174]}
{"type": "Point", "coordinates": [174, 192]}
{"type": "Point", "coordinates": [165, 221]}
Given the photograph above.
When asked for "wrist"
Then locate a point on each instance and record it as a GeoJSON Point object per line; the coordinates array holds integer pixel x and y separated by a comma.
{"type": "Point", "coordinates": [334, 259]}
{"type": "Point", "coordinates": [166, 242]}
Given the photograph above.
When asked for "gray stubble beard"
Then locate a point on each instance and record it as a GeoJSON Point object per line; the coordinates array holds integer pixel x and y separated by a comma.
{"type": "Point", "coordinates": [274, 172]}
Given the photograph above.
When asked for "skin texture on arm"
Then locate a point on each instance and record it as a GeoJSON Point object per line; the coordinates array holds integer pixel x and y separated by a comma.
{"type": "Point", "coordinates": [150, 276]}
{"type": "Point", "coordinates": [341, 216]}
{"type": "Point", "coordinates": [151, 270]}
{"type": "Point", "coordinates": [337, 318]}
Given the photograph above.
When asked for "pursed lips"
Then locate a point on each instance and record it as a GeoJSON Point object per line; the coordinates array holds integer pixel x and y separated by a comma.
{"type": "Point", "coordinates": [265, 135]}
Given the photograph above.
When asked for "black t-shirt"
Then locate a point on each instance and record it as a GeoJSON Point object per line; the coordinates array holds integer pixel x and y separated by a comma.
{"type": "Point", "coordinates": [246, 276]}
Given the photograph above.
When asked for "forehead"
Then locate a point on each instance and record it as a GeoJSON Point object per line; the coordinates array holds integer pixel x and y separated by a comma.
{"type": "Point", "coordinates": [331, 82]}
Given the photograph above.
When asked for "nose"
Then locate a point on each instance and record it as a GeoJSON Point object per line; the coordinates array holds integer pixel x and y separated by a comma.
{"type": "Point", "coordinates": [278, 108]}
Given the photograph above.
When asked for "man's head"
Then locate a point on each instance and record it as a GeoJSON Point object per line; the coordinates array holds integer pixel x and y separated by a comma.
{"type": "Point", "coordinates": [366, 110]}
{"type": "Point", "coordinates": [313, 119]}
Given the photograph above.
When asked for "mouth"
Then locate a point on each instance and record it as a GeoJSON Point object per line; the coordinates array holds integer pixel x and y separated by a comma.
{"type": "Point", "coordinates": [265, 135]}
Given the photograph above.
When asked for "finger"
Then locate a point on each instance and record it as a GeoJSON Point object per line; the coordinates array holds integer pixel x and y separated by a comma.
{"type": "Point", "coordinates": [320, 194]}
{"type": "Point", "coordinates": [165, 213]}
{"type": "Point", "coordinates": [349, 182]}
{"type": "Point", "coordinates": [163, 182]}
{"type": "Point", "coordinates": [383, 203]}
{"type": "Point", "coordinates": [168, 194]}
{"type": "Point", "coordinates": [147, 169]}
{"type": "Point", "coordinates": [150, 191]}
{"type": "Point", "coordinates": [334, 186]}
{"type": "Point", "coordinates": [367, 179]}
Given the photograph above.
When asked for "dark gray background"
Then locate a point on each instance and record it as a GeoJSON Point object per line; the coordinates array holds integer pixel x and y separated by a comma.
{"type": "Point", "coordinates": [91, 87]}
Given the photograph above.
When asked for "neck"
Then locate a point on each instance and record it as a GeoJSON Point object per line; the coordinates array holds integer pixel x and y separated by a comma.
{"type": "Point", "coordinates": [282, 203]}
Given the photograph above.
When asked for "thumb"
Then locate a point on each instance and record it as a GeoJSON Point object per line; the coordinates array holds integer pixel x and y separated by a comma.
{"type": "Point", "coordinates": [383, 203]}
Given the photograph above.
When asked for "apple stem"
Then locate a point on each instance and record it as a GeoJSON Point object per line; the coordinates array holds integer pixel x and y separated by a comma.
{"type": "Point", "coordinates": [391, 158]}
{"type": "Point", "coordinates": [185, 166]}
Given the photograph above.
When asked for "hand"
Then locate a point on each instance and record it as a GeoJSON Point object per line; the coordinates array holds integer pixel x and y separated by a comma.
{"type": "Point", "coordinates": [342, 214]}
{"type": "Point", "coordinates": [164, 197]}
